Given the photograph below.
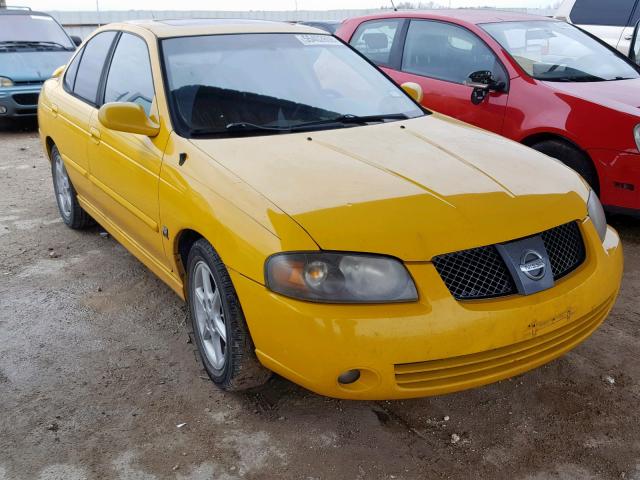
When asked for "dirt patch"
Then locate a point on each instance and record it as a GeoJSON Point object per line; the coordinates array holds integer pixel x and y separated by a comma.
{"type": "Point", "coordinates": [92, 342]}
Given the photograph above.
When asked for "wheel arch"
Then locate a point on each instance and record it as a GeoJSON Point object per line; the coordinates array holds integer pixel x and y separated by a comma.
{"type": "Point", "coordinates": [539, 137]}
{"type": "Point", "coordinates": [49, 144]}
{"type": "Point", "coordinates": [184, 240]}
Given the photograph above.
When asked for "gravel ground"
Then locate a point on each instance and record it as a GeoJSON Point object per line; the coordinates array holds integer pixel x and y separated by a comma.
{"type": "Point", "coordinates": [97, 377]}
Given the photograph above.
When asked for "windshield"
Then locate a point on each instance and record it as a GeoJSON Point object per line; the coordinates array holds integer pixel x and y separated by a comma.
{"type": "Point", "coordinates": [557, 51]}
{"type": "Point", "coordinates": [274, 82]}
{"type": "Point", "coordinates": [16, 29]}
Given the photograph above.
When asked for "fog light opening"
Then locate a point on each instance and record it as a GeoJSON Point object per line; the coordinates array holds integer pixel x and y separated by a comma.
{"type": "Point", "coordinates": [348, 377]}
{"type": "Point", "coordinates": [3, 110]}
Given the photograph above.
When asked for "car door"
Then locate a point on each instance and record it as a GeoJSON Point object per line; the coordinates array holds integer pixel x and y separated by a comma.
{"type": "Point", "coordinates": [74, 105]}
{"type": "Point", "coordinates": [440, 56]}
{"type": "Point", "coordinates": [125, 167]}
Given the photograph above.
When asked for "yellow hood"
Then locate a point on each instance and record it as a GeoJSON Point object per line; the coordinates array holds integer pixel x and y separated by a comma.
{"type": "Point", "coordinates": [411, 189]}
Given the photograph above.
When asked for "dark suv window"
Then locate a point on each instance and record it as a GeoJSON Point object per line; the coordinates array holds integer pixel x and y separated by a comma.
{"type": "Point", "coordinates": [447, 52]}
{"type": "Point", "coordinates": [129, 77]}
{"type": "Point", "coordinates": [597, 12]}
{"type": "Point", "coordinates": [91, 64]}
{"type": "Point", "coordinates": [374, 39]}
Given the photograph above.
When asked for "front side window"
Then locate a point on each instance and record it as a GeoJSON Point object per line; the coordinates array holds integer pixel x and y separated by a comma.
{"type": "Point", "coordinates": [129, 77]}
{"type": "Point", "coordinates": [30, 31]}
{"type": "Point", "coordinates": [447, 52]}
{"type": "Point", "coordinates": [374, 39]}
{"type": "Point", "coordinates": [227, 83]}
{"type": "Point", "coordinates": [597, 12]}
{"type": "Point", "coordinates": [559, 52]}
{"type": "Point", "coordinates": [91, 65]}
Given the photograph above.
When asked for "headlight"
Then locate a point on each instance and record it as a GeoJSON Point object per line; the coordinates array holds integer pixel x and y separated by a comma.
{"type": "Point", "coordinates": [6, 82]}
{"type": "Point", "coordinates": [596, 214]}
{"type": "Point", "coordinates": [636, 135]}
{"type": "Point", "coordinates": [340, 278]}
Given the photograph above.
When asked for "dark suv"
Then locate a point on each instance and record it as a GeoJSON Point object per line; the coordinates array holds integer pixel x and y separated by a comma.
{"type": "Point", "coordinates": [32, 46]}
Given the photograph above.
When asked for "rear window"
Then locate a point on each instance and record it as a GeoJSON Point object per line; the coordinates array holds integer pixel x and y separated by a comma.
{"type": "Point", "coordinates": [597, 12]}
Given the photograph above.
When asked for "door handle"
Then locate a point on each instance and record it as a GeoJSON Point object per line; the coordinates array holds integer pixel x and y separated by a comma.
{"type": "Point", "coordinates": [95, 134]}
{"type": "Point", "coordinates": [628, 37]}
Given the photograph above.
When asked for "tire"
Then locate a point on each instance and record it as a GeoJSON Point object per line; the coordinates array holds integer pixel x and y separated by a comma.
{"type": "Point", "coordinates": [572, 158]}
{"type": "Point", "coordinates": [219, 328]}
{"type": "Point", "coordinates": [66, 197]}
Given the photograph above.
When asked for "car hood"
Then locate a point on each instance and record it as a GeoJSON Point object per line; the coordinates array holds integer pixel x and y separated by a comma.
{"type": "Point", "coordinates": [31, 66]}
{"type": "Point", "coordinates": [411, 189]}
{"type": "Point", "coordinates": [623, 95]}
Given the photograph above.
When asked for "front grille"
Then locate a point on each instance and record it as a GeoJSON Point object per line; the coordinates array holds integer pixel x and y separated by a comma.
{"type": "Point", "coordinates": [565, 248]}
{"type": "Point", "coordinates": [26, 98]}
{"type": "Point", "coordinates": [481, 273]}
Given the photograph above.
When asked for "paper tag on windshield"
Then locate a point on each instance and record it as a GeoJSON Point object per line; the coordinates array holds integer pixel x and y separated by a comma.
{"type": "Point", "coordinates": [314, 39]}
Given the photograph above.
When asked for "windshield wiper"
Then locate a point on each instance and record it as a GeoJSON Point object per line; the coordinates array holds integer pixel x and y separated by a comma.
{"type": "Point", "coordinates": [348, 119]}
{"type": "Point", "coordinates": [32, 43]}
{"type": "Point", "coordinates": [352, 119]}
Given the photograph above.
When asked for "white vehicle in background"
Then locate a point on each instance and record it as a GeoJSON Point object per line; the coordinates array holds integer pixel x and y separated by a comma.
{"type": "Point", "coordinates": [610, 20]}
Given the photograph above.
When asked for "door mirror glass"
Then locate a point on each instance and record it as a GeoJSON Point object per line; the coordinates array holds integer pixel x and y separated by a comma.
{"type": "Point", "coordinates": [76, 40]}
{"type": "Point", "coordinates": [127, 117]}
{"type": "Point", "coordinates": [634, 51]}
{"type": "Point", "coordinates": [414, 90]}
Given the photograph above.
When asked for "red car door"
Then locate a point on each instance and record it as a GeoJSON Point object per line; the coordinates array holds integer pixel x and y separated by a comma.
{"type": "Point", "coordinates": [440, 56]}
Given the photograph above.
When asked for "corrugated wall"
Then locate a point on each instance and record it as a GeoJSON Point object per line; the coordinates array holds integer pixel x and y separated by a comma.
{"type": "Point", "coordinates": [83, 23]}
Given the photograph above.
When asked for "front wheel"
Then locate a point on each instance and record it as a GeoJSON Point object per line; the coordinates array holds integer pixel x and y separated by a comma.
{"type": "Point", "coordinates": [219, 327]}
{"type": "Point", "coordinates": [66, 197]}
{"type": "Point", "coordinates": [572, 158]}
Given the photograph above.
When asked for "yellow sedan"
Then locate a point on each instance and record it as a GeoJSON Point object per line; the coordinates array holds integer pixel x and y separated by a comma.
{"type": "Point", "coordinates": [320, 223]}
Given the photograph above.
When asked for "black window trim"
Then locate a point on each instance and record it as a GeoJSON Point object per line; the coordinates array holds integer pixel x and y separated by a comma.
{"type": "Point", "coordinates": [505, 70]}
{"type": "Point", "coordinates": [102, 86]}
{"type": "Point", "coordinates": [102, 73]}
{"type": "Point", "coordinates": [169, 98]}
{"type": "Point", "coordinates": [397, 47]}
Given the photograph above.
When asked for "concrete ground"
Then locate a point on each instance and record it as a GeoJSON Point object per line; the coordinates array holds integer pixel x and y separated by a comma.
{"type": "Point", "coordinates": [98, 380]}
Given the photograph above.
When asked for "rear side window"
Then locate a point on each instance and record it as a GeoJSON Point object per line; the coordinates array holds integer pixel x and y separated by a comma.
{"type": "Point", "coordinates": [72, 71]}
{"type": "Point", "coordinates": [129, 77]}
{"type": "Point", "coordinates": [447, 52]}
{"type": "Point", "coordinates": [375, 38]}
{"type": "Point", "coordinates": [91, 65]}
{"type": "Point", "coordinates": [597, 12]}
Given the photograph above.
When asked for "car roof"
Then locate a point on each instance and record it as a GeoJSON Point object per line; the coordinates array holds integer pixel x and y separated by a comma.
{"type": "Point", "coordinates": [21, 11]}
{"type": "Point", "coordinates": [473, 16]}
{"type": "Point", "coordinates": [214, 26]}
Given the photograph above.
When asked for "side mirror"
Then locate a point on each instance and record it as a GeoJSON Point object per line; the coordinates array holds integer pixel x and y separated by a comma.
{"type": "Point", "coordinates": [482, 83]}
{"type": "Point", "coordinates": [58, 71]}
{"type": "Point", "coordinates": [76, 40]}
{"type": "Point", "coordinates": [414, 90]}
{"type": "Point", "coordinates": [634, 50]}
{"type": "Point", "coordinates": [127, 117]}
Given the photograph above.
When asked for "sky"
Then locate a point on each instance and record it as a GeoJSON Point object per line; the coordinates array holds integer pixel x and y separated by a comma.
{"type": "Point", "coordinates": [48, 5]}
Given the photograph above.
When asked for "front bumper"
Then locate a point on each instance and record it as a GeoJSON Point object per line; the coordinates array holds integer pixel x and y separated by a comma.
{"type": "Point", "coordinates": [619, 174]}
{"type": "Point", "coordinates": [437, 345]}
{"type": "Point", "coordinates": [19, 101]}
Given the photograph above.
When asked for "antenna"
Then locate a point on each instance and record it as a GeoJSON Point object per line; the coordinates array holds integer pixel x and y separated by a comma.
{"type": "Point", "coordinates": [394, 6]}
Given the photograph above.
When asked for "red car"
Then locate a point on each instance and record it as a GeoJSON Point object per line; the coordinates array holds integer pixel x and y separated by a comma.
{"type": "Point", "coordinates": [535, 80]}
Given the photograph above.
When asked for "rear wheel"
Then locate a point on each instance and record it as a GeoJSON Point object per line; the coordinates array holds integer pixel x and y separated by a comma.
{"type": "Point", "coordinates": [572, 158]}
{"type": "Point", "coordinates": [70, 210]}
{"type": "Point", "coordinates": [219, 327]}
